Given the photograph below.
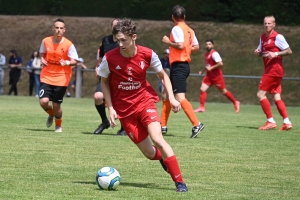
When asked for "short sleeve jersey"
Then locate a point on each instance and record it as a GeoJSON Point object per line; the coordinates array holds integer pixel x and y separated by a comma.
{"type": "Point", "coordinates": [212, 58]}
{"type": "Point", "coordinates": [182, 33]}
{"type": "Point", "coordinates": [106, 45]}
{"type": "Point", "coordinates": [274, 42]}
{"type": "Point", "coordinates": [54, 73]}
{"type": "Point", "coordinates": [129, 88]}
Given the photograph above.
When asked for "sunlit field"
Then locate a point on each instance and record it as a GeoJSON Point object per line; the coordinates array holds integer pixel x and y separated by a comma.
{"type": "Point", "coordinates": [230, 158]}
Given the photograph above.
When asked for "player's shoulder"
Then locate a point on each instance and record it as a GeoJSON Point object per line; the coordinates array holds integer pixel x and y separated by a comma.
{"type": "Point", "coordinates": [144, 51]}
{"type": "Point", "coordinates": [107, 39]}
{"type": "Point", "coordinates": [112, 52]}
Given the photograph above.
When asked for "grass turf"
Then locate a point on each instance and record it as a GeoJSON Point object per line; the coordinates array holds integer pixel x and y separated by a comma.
{"type": "Point", "coordinates": [230, 158]}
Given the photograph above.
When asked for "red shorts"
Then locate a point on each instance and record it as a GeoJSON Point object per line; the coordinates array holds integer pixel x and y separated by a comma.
{"type": "Point", "coordinates": [270, 84]}
{"type": "Point", "coordinates": [218, 82]}
{"type": "Point", "coordinates": [136, 125]}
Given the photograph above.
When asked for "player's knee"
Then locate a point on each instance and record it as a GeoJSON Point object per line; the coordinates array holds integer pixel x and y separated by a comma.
{"type": "Point", "coordinates": [44, 102]}
{"type": "Point", "coordinates": [149, 153]}
{"type": "Point", "coordinates": [98, 96]}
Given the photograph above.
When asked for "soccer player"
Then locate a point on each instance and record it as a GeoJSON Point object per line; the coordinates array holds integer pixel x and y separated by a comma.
{"type": "Point", "coordinates": [214, 76]}
{"type": "Point", "coordinates": [108, 43]}
{"type": "Point", "coordinates": [272, 47]}
{"type": "Point", "coordinates": [131, 98]}
{"type": "Point", "coordinates": [58, 55]}
{"type": "Point", "coordinates": [182, 43]}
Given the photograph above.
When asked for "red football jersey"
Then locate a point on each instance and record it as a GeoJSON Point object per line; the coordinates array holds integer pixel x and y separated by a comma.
{"type": "Point", "coordinates": [274, 66]}
{"type": "Point", "coordinates": [215, 73]}
{"type": "Point", "coordinates": [129, 88]}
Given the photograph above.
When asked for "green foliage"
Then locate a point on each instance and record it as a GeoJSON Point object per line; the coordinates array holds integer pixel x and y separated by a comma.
{"type": "Point", "coordinates": [286, 11]}
{"type": "Point", "coordinates": [230, 159]}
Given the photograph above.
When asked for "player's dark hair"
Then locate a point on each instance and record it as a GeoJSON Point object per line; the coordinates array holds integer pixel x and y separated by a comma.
{"type": "Point", "coordinates": [126, 26]}
{"type": "Point", "coordinates": [59, 20]}
{"type": "Point", "coordinates": [178, 12]}
{"type": "Point", "coordinates": [209, 40]}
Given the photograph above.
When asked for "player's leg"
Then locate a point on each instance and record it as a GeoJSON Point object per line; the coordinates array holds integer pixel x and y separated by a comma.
{"type": "Point", "coordinates": [203, 95]}
{"type": "Point", "coordinates": [287, 124]}
{"type": "Point", "coordinates": [179, 74]}
{"type": "Point", "coordinates": [220, 84]}
{"type": "Point", "coordinates": [45, 95]}
{"type": "Point", "coordinates": [165, 111]}
{"type": "Point", "coordinates": [100, 107]}
{"type": "Point", "coordinates": [169, 159]}
{"type": "Point", "coordinates": [266, 85]}
{"type": "Point", "coordinates": [57, 99]}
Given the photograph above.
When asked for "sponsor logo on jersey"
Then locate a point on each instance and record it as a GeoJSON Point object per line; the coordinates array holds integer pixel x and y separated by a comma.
{"type": "Point", "coordinates": [142, 64]}
{"type": "Point", "coordinates": [118, 67]}
{"type": "Point", "coordinates": [129, 85]}
{"type": "Point", "coordinates": [151, 110]}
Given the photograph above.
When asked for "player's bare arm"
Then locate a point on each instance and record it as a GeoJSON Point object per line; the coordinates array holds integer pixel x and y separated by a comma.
{"type": "Point", "coordinates": [107, 94]}
{"type": "Point", "coordinates": [97, 65]}
{"type": "Point", "coordinates": [176, 45]}
{"type": "Point", "coordinates": [43, 61]}
{"type": "Point", "coordinates": [195, 48]}
{"type": "Point", "coordinates": [219, 64]}
{"type": "Point", "coordinates": [168, 87]}
{"type": "Point", "coordinates": [285, 52]}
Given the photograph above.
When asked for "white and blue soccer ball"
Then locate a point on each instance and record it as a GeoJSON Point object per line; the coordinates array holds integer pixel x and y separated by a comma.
{"type": "Point", "coordinates": [108, 178]}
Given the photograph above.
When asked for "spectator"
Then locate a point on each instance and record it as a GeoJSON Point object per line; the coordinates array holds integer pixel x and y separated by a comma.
{"type": "Point", "coordinates": [80, 62]}
{"type": "Point", "coordinates": [2, 63]}
{"type": "Point", "coordinates": [30, 71]}
{"type": "Point", "coordinates": [14, 63]}
{"type": "Point", "coordinates": [36, 65]}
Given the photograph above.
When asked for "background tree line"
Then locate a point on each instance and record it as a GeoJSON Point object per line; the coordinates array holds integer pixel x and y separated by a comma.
{"type": "Point", "coordinates": [238, 11]}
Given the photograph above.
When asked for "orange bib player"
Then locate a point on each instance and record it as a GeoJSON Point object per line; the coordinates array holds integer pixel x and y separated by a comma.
{"type": "Point", "coordinates": [182, 43]}
{"type": "Point", "coordinates": [58, 55]}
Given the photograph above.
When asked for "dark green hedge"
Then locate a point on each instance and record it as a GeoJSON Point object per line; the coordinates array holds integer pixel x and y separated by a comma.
{"type": "Point", "coordinates": [241, 11]}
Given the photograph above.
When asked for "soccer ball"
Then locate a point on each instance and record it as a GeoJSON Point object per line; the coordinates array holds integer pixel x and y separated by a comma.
{"type": "Point", "coordinates": [108, 178]}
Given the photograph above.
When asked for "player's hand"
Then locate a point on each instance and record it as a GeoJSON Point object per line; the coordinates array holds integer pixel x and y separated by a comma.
{"type": "Point", "coordinates": [96, 71]}
{"type": "Point", "coordinates": [166, 39]}
{"type": "Point", "coordinates": [112, 117]}
{"type": "Point", "coordinates": [63, 62]}
{"type": "Point", "coordinates": [43, 62]}
{"type": "Point", "coordinates": [271, 55]}
{"type": "Point", "coordinates": [208, 68]}
{"type": "Point", "coordinates": [175, 105]}
{"type": "Point", "coordinates": [200, 72]}
{"type": "Point", "coordinates": [257, 52]}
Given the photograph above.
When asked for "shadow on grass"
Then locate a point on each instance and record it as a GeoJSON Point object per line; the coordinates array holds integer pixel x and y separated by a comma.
{"type": "Point", "coordinates": [43, 130]}
{"type": "Point", "coordinates": [249, 127]}
{"type": "Point", "coordinates": [126, 184]}
{"type": "Point", "coordinates": [92, 133]}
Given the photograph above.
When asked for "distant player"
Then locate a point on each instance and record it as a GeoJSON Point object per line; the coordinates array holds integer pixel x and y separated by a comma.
{"type": "Point", "coordinates": [131, 98]}
{"type": "Point", "coordinates": [214, 76]}
{"type": "Point", "coordinates": [272, 46]}
{"type": "Point", "coordinates": [58, 55]}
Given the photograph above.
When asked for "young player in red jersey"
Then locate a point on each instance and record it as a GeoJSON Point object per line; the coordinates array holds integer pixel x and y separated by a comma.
{"type": "Point", "coordinates": [214, 76]}
{"type": "Point", "coordinates": [130, 97]}
{"type": "Point", "coordinates": [272, 46]}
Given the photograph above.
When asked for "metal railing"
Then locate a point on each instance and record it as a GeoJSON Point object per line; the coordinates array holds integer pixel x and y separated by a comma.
{"type": "Point", "coordinates": [79, 77]}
